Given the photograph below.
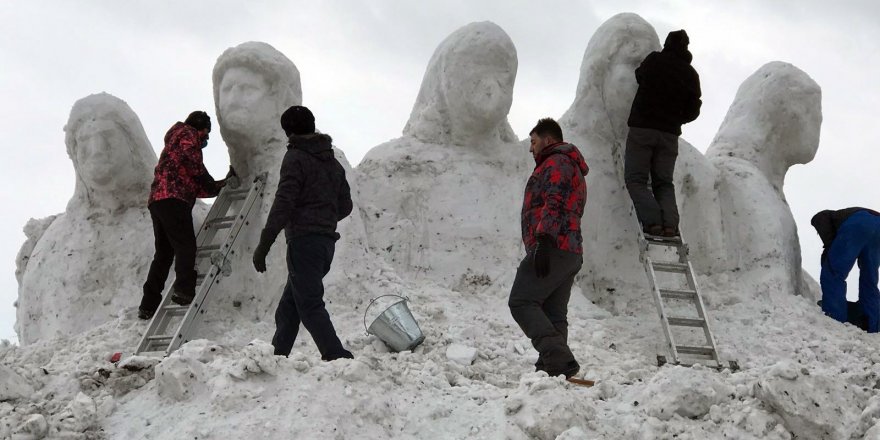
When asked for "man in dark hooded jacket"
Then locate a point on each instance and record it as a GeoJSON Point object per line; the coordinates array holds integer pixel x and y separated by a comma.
{"type": "Point", "coordinates": [180, 178]}
{"type": "Point", "coordinates": [313, 195]}
{"type": "Point", "coordinates": [850, 235]}
{"type": "Point", "coordinates": [553, 205]}
{"type": "Point", "coordinates": [668, 96]}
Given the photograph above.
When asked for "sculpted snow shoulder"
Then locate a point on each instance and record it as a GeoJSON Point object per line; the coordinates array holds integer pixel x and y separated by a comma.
{"type": "Point", "coordinates": [78, 269]}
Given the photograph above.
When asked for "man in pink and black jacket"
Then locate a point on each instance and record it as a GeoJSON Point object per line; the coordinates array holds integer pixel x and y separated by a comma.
{"type": "Point", "coordinates": [553, 205]}
{"type": "Point", "coordinates": [180, 178]}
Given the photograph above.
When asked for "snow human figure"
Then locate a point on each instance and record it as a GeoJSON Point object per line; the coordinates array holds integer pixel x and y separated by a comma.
{"type": "Point", "coordinates": [552, 208]}
{"type": "Point", "coordinates": [438, 198]}
{"type": "Point", "coordinates": [312, 196]}
{"type": "Point", "coordinates": [180, 177]}
{"type": "Point", "coordinates": [850, 235]}
{"type": "Point", "coordinates": [76, 269]}
{"type": "Point", "coordinates": [772, 124]}
{"type": "Point", "coordinates": [596, 122]}
{"type": "Point", "coordinates": [668, 96]}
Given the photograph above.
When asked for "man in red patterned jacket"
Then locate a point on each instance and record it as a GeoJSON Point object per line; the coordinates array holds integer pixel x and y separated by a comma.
{"type": "Point", "coordinates": [180, 178]}
{"type": "Point", "coordinates": [553, 205]}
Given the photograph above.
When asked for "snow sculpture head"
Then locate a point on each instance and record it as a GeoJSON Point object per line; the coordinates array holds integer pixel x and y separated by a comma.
{"type": "Point", "coordinates": [467, 89]}
{"type": "Point", "coordinates": [111, 155]}
{"type": "Point", "coordinates": [774, 121]}
{"type": "Point", "coordinates": [253, 85]}
{"type": "Point", "coordinates": [607, 84]}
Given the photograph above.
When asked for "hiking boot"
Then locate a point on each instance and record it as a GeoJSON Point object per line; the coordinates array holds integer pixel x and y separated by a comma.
{"type": "Point", "coordinates": [670, 232]}
{"type": "Point", "coordinates": [181, 298]}
{"type": "Point", "coordinates": [344, 354]}
{"type": "Point", "coordinates": [145, 314]}
{"type": "Point", "coordinates": [568, 371]}
{"type": "Point", "coordinates": [655, 230]}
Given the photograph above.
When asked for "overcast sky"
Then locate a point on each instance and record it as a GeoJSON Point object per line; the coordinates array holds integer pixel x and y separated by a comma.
{"type": "Point", "coordinates": [362, 63]}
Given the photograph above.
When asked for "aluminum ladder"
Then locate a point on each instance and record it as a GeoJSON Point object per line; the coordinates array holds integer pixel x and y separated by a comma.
{"type": "Point", "coordinates": [173, 325]}
{"type": "Point", "coordinates": [705, 353]}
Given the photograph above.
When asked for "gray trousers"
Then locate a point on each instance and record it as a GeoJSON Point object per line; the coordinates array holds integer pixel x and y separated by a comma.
{"type": "Point", "coordinates": [540, 307]}
{"type": "Point", "coordinates": [652, 153]}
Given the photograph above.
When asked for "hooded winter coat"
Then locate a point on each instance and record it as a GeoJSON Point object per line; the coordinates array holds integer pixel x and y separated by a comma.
{"type": "Point", "coordinates": [180, 173]}
{"type": "Point", "coordinates": [555, 197]}
{"type": "Point", "coordinates": [313, 194]}
{"type": "Point", "coordinates": [669, 88]}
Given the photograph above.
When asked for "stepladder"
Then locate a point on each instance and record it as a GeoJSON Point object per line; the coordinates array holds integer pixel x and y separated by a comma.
{"type": "Point", "coordinates": [683, 316]}
{"type": "Point", "coordinates": [173, 325]}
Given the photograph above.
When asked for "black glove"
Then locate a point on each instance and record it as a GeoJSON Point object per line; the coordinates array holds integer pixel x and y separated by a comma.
{"type": "Point", "coordinates": [260, 255]}
{"type": "Point", "coordinates": [541, 257]}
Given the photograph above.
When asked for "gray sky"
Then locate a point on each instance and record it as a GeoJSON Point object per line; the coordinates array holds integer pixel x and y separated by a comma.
{"type": "Point", "coordinates": [362, 64]}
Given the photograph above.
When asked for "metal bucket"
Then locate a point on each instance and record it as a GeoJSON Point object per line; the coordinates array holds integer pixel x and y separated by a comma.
{"type": "Point", "coordinates": [396, 326]}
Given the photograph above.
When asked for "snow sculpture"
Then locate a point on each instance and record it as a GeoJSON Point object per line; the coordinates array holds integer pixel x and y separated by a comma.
{"type": "Point", "coordinates": [253, 85]}
{"type": "Point", "coordinates": [443, 200]}
{"type": "Point", "coordinates": [773, 123]}
{"type": "Point", "coordinates": [78, 269]}
{"type": "Point", "coordinates": [596, 123]}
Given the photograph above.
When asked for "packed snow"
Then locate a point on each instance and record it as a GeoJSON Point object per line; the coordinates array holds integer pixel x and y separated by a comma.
{"type": "Point", "coordinates": [436, 221]}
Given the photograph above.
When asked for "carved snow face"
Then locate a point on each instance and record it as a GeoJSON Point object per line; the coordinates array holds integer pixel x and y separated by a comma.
{"type": "Point", "coordinates": [244, 100]}
{"type": "Point", "coordinates": [102, 156]}
{"type": "Point", "coordinates": [478, 87]}
{"type": "Point", "coordinates": [620, 82]}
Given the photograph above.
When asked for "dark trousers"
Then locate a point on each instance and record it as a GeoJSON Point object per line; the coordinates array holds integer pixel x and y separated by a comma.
{"type": "Point", "coordinates": [652, 153]}
{"type": "Point", "coordinates": [857, 240]}
{"type": "Point", "coordinates": [308, 260]}
{"type": "Point", "coordinates": [540, 307]}
{"type": "Point", "coordinates": [175, 241]}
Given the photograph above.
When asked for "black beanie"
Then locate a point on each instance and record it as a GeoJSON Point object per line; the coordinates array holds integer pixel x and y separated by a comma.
{"type": "Point", "coordinates": [298, 120]}
{"type": "Point", "coordinates": [199, 120]}
{"type": "Point", "coordinates": [677, 40]}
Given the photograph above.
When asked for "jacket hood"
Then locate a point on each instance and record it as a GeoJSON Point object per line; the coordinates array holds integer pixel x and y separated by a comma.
{"type": "Point", "coordinates": [179, 130]}
{"type": "Point", "coordinates": [319, 145]}
{"type": "Point", "coordinates": [677, 43]}
{"type": "Point", "coordinates": [569, 150]}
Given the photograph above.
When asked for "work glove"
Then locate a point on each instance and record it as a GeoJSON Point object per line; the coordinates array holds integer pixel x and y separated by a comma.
{"type": "Point", "coordinates": [232, 179]}
{"type": "Point", "coordinates": [541, 256]}
{"type": "Point", "coordinates": [260, 255]}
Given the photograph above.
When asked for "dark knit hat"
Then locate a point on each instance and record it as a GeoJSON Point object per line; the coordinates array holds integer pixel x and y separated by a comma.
{"type": "Point", "coordinates": [298, 120]}
{"type": "Point", "coordinates": [677, 40]}
{"type": "Point", "coordinates": [199, 120]}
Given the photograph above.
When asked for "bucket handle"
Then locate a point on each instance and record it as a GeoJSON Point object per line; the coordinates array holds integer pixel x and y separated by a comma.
{"type": "Point", "coordinates": [371, 304]}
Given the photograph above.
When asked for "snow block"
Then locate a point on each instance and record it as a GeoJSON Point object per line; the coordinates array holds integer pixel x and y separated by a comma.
{"type": "Point", "coordinates": [35, 425]}
{"type": "Point", "coordinates": [688, 392]}
{"type": "Point", "coordinates": [812, 406]}
{"type": "Point", "coordinates": [84, 411]}
{"type": "Point", "coordinates": [12, 385]}
{"type": "Point", "coordinates": [179, 378]}
{"type": "Point", "coordinates": [461, 354]}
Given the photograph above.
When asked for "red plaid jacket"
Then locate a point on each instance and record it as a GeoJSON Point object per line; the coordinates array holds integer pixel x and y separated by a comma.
{"type": "Point", "coordinates": [555, 197]}
{"type": "Point", "coordinates": [180, 173]}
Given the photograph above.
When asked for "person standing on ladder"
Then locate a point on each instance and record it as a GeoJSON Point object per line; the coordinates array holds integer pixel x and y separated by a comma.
{"type": "Point", "coordinates": [553, 205]}
{"type": "Point", "coordinates": [180, 177]}
{"type": "Point", "coordinates": [850, 235]}
{"type": "Point", "coordinates": [668, 96]}
{"type": "Point", "coordinates": [312, 196]}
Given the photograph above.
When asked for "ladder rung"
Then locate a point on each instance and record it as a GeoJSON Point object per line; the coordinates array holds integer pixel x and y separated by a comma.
{"type": "Point", "coordinates": [669, 266]}
{"type": "Point", "coordinates": [160, 338]}
{"type": "Point", "coordinates": [208, 248]}
{"type": "Point", "coordinates": [659, 241]}
{"type": "Point", "coordinates": [695, 350]}
{"type": "Point", "coordinates": [176, 309]}
{"type": "Point", "coordinates": [686, 322]}
{"type": "Point", "coordinates": [221, 222]}
{"type": "Point", "coordinates": [678, 294]}
{"type": "Point", "coordinates": [238, 194]}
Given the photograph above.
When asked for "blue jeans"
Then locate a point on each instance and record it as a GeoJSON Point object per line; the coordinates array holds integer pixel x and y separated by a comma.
{"type": "Point", "coordinates": [857, 240]}
{"type": "Point", "coordinates": [308, 260]}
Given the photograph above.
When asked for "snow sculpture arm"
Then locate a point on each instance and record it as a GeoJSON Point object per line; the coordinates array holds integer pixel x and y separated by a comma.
{"type": "Point", "coordinates": [33, 230]}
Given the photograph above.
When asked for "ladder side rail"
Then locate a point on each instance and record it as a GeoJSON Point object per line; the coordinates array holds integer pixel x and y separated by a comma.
{"type": "Point", "coordinates": [182, 332]}
{"type": "Point", "coordinates": [701, 312]}
{"type": "Point", "coordinates": [658, 300]}
{"type": "Point", "coordinates": [241, 218]}
{"type": "Point", "coordinates": [218, 209]}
